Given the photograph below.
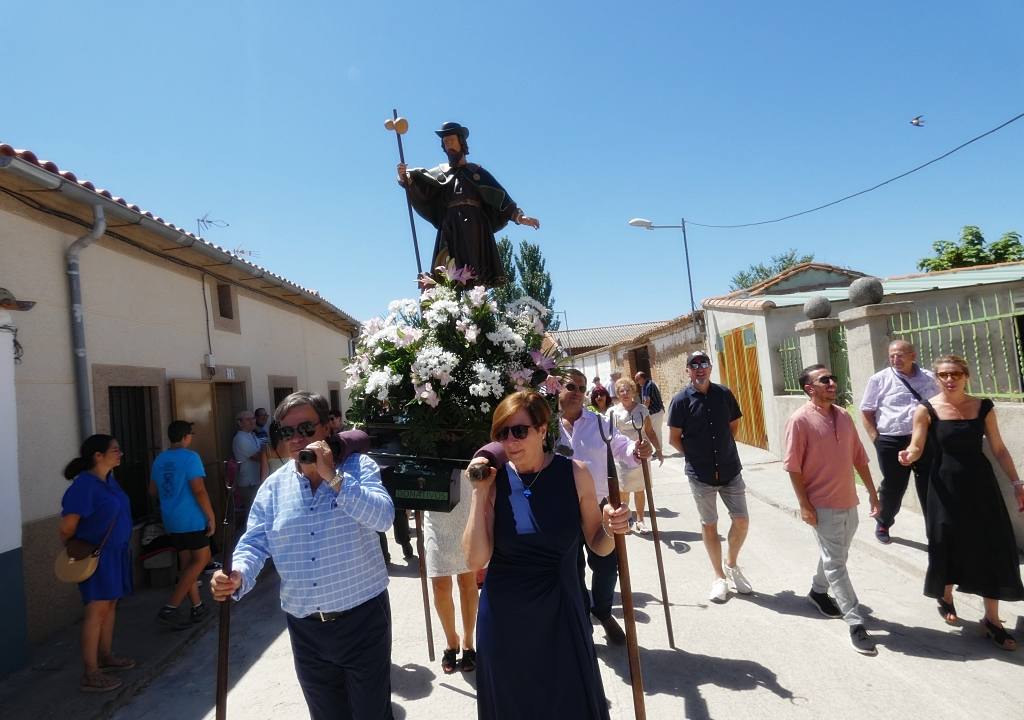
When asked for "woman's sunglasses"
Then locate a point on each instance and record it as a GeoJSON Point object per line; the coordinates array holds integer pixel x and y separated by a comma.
{"type": "Point", "coordinates": [306, 429]}
{"type": "Point", "coordinates": [519, 432]}
{"type": "Point", "coordinates": [950, 375]}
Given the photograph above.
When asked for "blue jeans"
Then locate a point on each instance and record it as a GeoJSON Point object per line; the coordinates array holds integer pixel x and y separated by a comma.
{"type": "Point", "coordinates": [834, 533]}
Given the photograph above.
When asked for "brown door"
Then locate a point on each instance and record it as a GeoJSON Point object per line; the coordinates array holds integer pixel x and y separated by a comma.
{"type": "Point", "coordinates": [195, 401]}
{"type": "Point", "coordinates": [737, 362]}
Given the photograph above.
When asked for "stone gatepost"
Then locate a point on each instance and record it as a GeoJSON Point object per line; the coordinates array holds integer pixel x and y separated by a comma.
{"type": "Point", "coordinates": [813, 336]}
{"type": "Point", "coordinates": [867, 340]}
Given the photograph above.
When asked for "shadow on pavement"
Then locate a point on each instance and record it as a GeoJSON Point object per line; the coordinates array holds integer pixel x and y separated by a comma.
{"type": "Point", "coordinates": [967, 642]}
{"type": "Point", "coordinates": [679, 673]}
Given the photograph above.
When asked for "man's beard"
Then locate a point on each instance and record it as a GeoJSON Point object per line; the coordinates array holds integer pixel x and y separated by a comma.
{"type": "Point", "coordinates": [454, 156]}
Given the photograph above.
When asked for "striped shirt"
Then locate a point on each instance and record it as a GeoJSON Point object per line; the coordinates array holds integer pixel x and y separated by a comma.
{"type": "Point", "coordinates": [324, 544]}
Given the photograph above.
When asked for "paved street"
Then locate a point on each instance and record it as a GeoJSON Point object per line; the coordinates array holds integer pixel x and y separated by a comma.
{"type": "Point", "coordinates": [760, 656]}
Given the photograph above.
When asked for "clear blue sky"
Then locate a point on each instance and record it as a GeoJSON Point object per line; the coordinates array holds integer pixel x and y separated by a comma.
{"type": "Point", "coordinates": [270, 116]}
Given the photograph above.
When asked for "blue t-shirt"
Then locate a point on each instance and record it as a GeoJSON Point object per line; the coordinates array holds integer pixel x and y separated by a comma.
{"type": "Point", "coordinates": [172, 470]}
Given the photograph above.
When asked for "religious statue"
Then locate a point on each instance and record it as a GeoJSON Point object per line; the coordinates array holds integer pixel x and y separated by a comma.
{"type": "Point", "coordinates": [466, 205]}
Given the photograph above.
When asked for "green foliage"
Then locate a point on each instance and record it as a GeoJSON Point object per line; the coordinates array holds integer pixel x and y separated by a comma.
{"type": "Point", "coordinates": [510, 290]}
{"type": "Point", "coordinates": [759, 272]}
{"type": "Point", "coordinates": [526, 277]}
{"type": "Point", "coordinates": [971, 250]}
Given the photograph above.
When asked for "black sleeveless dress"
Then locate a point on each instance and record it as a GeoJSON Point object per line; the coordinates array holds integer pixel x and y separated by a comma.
{"type": "Point", "coordinates": [536, 655]}
{"type": "Point", "coordinates": [970, 538]}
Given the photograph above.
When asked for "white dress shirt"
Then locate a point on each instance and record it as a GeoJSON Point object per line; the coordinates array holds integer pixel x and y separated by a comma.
{"type": "Point", "coordinates": [588, 447]}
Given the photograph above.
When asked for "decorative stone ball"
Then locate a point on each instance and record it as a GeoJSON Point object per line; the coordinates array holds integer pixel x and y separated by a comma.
{"type": "Point", "coordinates": [817, 306]}
{"type": "Point", "coordinates": [866, 291]}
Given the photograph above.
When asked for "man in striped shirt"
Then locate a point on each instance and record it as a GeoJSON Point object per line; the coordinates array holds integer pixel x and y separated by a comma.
{"type": "Point", "coordinates": [319, 522]}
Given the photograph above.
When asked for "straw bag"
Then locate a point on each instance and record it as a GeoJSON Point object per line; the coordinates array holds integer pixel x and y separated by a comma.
{"type": "Point", "coordinates": [78, 560]}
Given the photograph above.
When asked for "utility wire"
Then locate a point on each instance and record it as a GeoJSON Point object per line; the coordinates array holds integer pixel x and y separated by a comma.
{"type": "Point", "coordinates": [867, 190]}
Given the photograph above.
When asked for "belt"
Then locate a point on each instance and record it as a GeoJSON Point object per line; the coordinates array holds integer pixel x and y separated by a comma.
{"type": "Point", "coordinates": [326, 617]}
{"type": "Point", "coordinates": [457, 203]}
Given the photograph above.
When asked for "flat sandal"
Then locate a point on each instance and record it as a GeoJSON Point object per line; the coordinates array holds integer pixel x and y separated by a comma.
{"type": "Point", "coordinates": [1002, 639]}
{"type": "Point", "coordinates": [946, 609]}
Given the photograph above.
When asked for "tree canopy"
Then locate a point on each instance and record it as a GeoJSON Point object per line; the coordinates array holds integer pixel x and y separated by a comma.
{"type": "Point", "coordinates": [526, 276]}
{"type": "Point", "coordinates": [759, 272]}
{"type": "Point", "coordinates": [972, 250]}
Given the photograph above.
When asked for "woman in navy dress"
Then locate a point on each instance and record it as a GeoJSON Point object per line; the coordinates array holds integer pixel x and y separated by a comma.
{"type": "Point", "coordinates": [970, 538]}
{"type": "Point", "coordinates": [94, 504]}
{"type": "Point", "coordinates": [536, 656]}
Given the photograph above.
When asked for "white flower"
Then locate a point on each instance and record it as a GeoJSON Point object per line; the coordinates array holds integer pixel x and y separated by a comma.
{"type": "Point", "coordinates": [379, 381]}
{"type": "Point", "coordinates": [440, 311]}
{"type": "Point", "coordinates": [506, 338]}
{"type": "Point", "coordinates": [490, 384]}
{"type": "Point", "coordinates": [468, 328]}
{"type": "Point", "coordinates": [405, 308]}
{"type": "Point", "coordinates": [477, 295]}
{"type": "Point", "coordinates": [485, 407]}
{"type": "Point", "coordinates": [434, 363]}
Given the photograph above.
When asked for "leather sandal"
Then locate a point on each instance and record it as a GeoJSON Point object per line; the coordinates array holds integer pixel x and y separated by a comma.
{"type": "Point", "coordinates": [1002, 639]}
{"type": "Point", "coordinates": [468, 661]}
{"type": "Point", "coordinates": [449, 660]}
{"type": "Point", "coordinates": [947, 610]}
{"type": "Point", "coordinates": [98, 682]}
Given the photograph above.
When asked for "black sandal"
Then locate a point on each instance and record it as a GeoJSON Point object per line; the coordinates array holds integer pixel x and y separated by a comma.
{"type": "Point", "coordinates": [468, 661]}
{"type": "Point", "coordinates": [945, 610]}
{"type": "Point", "coordinates": [1002, 639]}
{"type": "Point", "coordinates": [449, 661]}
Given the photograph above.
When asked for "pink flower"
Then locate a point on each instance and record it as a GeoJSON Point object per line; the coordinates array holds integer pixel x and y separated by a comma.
{"type": "Point", "coordinates": [460, 275]}
{"type": "Point", "coordinates": [425, 393]}
{"type": "Point", "coordinates": [542, 361]}
{"type": "Point", "coordinates": [552, 385]}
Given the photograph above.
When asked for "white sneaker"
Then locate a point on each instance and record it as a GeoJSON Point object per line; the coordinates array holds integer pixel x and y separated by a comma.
{"type": "Point", "coordinates": [737, 578]}
{"type": "Point", "coordinates": [641, 528]}
{"type": "Point", "coordinates": [719, 591]}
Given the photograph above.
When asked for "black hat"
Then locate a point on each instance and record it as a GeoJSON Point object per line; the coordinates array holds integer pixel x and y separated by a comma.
{"type": "Point", "coordinates": [697, 355]}
{"type": "Point", "coordinates": [453, 128]}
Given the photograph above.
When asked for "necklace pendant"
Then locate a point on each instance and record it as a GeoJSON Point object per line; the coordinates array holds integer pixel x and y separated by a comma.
{"type": "Point", "coordinates": [527, 492]}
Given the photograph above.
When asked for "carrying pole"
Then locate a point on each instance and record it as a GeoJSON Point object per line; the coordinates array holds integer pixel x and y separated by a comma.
{"type": "Point", "coordinates": [227, 535]}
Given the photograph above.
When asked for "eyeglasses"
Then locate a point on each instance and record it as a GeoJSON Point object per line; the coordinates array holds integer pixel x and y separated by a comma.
{"type": "Point", "coordinates": [699, 365]}
{"type": "Point", "coordinates": [306, 429]}
{"type": "Point", "coordinates": [573, 387]}
{"type": "Point", "coordinates": [519, 432]}
{"type": "Point", "coordinates": [827, 380]}
{"type": "Point", "coordinates": [950, 375]}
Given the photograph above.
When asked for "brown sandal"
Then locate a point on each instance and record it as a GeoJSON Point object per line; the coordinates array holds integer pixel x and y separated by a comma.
{"type": "Point", "coordinates": [947, 610]}
{"type": "Point", "coordinates": [98, 682]}
{"type": "Point", "coordinates": [115, 663]}
{"type": "Point", "coordinates": [1002, 639]}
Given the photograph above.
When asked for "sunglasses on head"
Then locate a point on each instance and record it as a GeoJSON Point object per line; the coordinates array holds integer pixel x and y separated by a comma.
{"type": "Point", "coordinates": [700, 365]}
{"type": "Point", "coordinates": [950, 375]}
{"type": "Point", "coordinates": [573, 387]}
{"type": "Point", "coordinates": [519, 432]}
{"type": "Point", "coordinates": [306, 429]}
{"type": "Point", "coordinates": [827, 380]}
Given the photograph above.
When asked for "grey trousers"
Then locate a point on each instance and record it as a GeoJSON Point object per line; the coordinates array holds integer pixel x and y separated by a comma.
{"type": "Point", "coordinates": [834, 533]}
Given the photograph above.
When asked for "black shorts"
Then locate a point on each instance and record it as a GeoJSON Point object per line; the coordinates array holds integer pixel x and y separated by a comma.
{"type": "Point", "coordinates": [190, 541]}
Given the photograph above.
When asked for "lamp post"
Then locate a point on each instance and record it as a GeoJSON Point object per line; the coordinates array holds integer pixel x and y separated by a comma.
{"type": "Point", "coordinates": [648, 225]}
{"type": "Point", "coordinates": [565, 317]}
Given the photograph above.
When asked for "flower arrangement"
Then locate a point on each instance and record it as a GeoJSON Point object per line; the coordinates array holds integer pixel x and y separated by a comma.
{"type": "Point", "coordinates": [436, 367]}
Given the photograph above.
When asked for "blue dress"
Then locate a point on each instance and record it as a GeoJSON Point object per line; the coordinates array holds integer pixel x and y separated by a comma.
{"type": "Point", "coordinates": [98, 503]}
{"type": "Point", "coordinates": [536, 655]}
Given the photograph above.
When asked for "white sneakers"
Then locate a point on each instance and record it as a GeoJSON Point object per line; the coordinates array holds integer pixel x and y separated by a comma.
{"type": "Point", "coordinates": [641, 528]}
{"type": "Point", "coordinates": [739, 581]}
{"type": "Point", "coordinates": [719, 591]}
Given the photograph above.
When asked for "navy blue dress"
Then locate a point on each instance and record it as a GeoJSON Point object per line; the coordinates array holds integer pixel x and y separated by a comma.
{"type": "Point", "coordinates": [100, 502]}
{"type": "Point", "coordinates": [536, 654]}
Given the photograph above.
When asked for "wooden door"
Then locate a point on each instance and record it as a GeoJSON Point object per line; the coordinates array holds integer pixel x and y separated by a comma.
{"type": "Point", "coordinates": [737, 361]}
{"type": "Point", "coordinates": [195, 401]}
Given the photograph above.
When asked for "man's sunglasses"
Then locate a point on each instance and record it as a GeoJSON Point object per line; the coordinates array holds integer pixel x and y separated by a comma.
{"type": "Point", "coordinates": [828, 380]}
{"type": "Point", "coordinates": [571, 387]}
{"type": "Point", "coordinates": [306, 429]}
{"type": "Point", "coordinates": [519, 432]}
{"type": "Point", "coordinates": [700, 365]}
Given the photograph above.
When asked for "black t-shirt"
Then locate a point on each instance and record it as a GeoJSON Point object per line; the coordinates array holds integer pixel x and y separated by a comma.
{"type": "Point", "coordinates": [710, 449]}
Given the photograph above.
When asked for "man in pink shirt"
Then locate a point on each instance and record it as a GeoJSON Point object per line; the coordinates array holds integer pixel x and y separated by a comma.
{"type": "Point", "coordinates": [822, 449]}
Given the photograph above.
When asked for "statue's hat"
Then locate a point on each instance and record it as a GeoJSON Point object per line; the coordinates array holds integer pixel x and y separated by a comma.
{"type": "Point", "coordinates": [453, 128]}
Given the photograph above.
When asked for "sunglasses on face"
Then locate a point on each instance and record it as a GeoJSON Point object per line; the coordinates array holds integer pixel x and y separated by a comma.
{"type": "Point", "coordinates": [573, 387]}
{"type": "Point", "coordinates": [306, 429]}
{"type": "Point", "coordinates": [519, 432]}
{"type": "Point", "coordinates": [827, 380]}
{"type": "Point", "coordinates": [950, 375]}
{"type": "Point", "coordinates": [699, 365]}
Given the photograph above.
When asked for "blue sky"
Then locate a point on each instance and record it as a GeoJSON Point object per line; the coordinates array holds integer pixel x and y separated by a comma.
{"type": "Point", "coordinates": [271, 118]}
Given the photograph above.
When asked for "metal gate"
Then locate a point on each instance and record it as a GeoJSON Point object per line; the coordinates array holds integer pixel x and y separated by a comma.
{"type": "Point", "coordinates": [739, 371]}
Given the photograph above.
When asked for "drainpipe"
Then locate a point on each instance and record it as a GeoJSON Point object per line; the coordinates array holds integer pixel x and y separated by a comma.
{"type": "Point", "coordinates": [79, 357]}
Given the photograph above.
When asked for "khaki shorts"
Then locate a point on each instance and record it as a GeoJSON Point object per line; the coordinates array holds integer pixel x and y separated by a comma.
{"type": "Point", "coordinates": [706, 496]}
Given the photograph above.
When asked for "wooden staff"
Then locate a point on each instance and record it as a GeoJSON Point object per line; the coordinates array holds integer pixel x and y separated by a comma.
{"type": "Point", "coordinates": [423, 582]}
{"type": "Point", "coordinates": [625, 588]}
{"type": "Point", "coordinates": [657, 537]}
{"type": "Point", "coordinates": [400, 126]}
{"type": "Point", "coordinates": [227, 533]}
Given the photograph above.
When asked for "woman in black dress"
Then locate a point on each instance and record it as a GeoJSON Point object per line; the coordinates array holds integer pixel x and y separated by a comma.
{"type": "Point", "coordinates": [970, 538]}
{"type": "Point", "coordinates": [536, 657]}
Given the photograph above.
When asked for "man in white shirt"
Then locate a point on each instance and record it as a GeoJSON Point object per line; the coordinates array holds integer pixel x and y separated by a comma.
{"type": "Point", "coordinates": [580, 438]}
{"type": "Point", "coordinates": [247, 450]}
{"type": "Point", "coordinates": [890, 399]}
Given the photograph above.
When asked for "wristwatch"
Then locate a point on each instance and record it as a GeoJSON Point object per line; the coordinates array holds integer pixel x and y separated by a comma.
{"type": "Point", "coordinates": [335, 482]}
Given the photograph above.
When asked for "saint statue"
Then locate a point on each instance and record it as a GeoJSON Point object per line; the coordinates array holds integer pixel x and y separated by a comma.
{"type": "Point", "coordinates": [466, 205]}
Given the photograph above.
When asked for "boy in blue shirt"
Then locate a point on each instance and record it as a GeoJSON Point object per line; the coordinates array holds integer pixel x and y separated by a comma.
{"type": "Point", "coordinates": [178, 477]}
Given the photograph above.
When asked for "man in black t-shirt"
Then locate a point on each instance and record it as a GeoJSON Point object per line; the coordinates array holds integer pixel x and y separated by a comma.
{"type": "Point", "coordinates": [702, 419]}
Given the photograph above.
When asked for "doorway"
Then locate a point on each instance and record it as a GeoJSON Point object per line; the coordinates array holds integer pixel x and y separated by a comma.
{"type": "Point", "coordinates": [133, 421]}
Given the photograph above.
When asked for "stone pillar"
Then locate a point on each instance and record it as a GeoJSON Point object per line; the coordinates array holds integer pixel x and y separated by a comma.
{"type": "Point", "coordinates": [814, 340]}
{"type": "Point", "coordinates": [867, 340]}
{"type": "Point", "coordinates": [13, 624]}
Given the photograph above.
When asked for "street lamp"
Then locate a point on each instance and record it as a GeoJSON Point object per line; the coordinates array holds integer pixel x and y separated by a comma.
{"type": "Point", "coordinates": [565, 317]}
{"type": "Point", "coordinates": [648, 225]}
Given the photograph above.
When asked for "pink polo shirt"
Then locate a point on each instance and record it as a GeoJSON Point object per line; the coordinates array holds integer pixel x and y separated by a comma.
{"type": "Point", "coordinates": [823, 446]}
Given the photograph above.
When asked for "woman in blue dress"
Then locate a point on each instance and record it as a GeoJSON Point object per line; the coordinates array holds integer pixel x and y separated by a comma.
{"type": "Point", "coordinates": [92, 506]}
{"type": "Point", "coordinates": [536, 656]}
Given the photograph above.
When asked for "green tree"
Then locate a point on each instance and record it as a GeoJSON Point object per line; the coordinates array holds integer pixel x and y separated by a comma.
{"type": "Point", "coordinates": [971, 250]}
{"type": "Point", "coordinates": [510, 290]}
{"type": "Point", "coordinates": [526, 275]}
{"type": "Point", "coordinates": [759, 272]}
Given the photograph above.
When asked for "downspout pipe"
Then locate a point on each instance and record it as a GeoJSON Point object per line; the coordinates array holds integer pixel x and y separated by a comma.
{"type": "Point", "coordinates": [78, 354]}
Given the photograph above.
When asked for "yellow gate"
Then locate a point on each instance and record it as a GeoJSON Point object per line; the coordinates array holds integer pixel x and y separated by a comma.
{"type": "Point", "coordinates": [737, 363]}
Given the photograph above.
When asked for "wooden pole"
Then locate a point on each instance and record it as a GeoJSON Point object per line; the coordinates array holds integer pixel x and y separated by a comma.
{"type": "Point", "coordinates": [636, 677]}
{"type": "Point", "coordinates": [227, 534]}
{"type": "Point", "coordinates": [657, 549]}
{"type": "Point", "coordinates": [423, 582]}
{"type": "Point", "coordinates": [408, 204]}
